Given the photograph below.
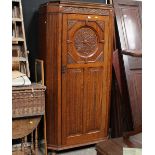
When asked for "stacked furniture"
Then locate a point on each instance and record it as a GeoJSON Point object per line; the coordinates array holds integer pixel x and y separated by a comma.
{"type": "Point", "coordinates": [28, 102]}
{"type": "Point", "coordinates": [28, 105]}
{"type": "Point", "coordinates": [76, 42]}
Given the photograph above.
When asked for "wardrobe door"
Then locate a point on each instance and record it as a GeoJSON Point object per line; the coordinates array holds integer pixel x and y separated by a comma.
{"type": "Point", "coordinates": [128, 14]}
{"type": "Point", "coordinates": [85, 60]}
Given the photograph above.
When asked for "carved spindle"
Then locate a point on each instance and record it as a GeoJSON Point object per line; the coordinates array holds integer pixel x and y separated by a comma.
{"type": "Point", "coordinates": [22, 144]}
{"type": "Point", "coordinates": [25, 144]}
{"type": "Point", "coordinates": [25, 141]}
{"type": "Point", "coordinates": [36, 140]}
{"type": "Point", "coordinates": [32, 142]}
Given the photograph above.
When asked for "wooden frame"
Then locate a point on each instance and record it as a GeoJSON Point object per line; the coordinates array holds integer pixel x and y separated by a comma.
{"type": "Point", "coordinates": [39, 71]}
{"type": "Point", "coordinates": [41, 81]}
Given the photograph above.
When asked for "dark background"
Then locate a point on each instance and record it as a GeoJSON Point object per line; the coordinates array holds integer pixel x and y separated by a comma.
{"type": "Point", "coordinates": [30, 13]}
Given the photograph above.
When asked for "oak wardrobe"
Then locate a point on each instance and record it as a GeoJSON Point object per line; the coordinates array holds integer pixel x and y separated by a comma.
{"type": "Point", "coordinates": [76, 42]}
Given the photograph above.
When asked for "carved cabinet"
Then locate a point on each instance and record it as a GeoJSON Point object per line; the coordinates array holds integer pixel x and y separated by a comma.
{"type": "Point", "coordinates": [76, 46]}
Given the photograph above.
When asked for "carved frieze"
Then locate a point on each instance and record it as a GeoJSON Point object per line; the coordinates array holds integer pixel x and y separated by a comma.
{"type": "Point", "coordinates": [96, 11]}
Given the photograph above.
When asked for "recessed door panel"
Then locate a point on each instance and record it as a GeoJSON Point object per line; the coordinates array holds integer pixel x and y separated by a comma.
{"type": "Point", "coordinates": [136, 100]}
{"type": "Point", "coordinates": [84, 56]}
{"type": "Point", "coordinates": [93, 92]}
{"type": "Point", "coordinates": [74, 99]}
{"type": "Point", "coordinates": [132, 26]}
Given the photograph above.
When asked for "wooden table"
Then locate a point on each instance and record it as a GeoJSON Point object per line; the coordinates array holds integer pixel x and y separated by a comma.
{"type": "Point", "coordinates": [28, 106]}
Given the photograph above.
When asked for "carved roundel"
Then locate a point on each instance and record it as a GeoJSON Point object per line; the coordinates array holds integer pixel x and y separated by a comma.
{"type": "Point", "coordinates": [85, 41]}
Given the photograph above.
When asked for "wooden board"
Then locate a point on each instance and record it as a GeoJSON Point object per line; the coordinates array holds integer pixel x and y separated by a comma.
{"type": "Point", "coordinates": [128, 16]}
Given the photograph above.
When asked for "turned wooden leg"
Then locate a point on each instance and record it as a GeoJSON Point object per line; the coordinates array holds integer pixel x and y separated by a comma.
{"type": "Point", "coordinates": [36, 141]}
{"type": "Point", "coordinates": [22, 144]}
{"type": "Point", "coordinates": [25, 141]}
{"type": "Point", "coordinates": [25, 145]}
{"type": "Point", "coordinates": [32, 143]}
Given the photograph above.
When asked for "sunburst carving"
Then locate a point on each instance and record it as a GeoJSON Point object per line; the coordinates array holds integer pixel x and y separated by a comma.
{"type": "Point", "coordinates": [85, 41]}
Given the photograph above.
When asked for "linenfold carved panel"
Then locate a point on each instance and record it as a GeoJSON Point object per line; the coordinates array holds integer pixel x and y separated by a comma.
{"type": "Point", "coordinates": [67, 9]}
{"type": "Point", "coordinates": [85, 41]}
{"type": "Point", "coordinates": [93, 91]}
{"type": "Point", "coordinates": [74, 102]}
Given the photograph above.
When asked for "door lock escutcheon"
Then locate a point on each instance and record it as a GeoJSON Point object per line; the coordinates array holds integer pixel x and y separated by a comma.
{"type": "Point", "coordinates": [64, 68]}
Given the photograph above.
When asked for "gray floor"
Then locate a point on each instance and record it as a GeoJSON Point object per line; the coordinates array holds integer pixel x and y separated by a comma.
{"type": "Point", "coordinates": [90, 150]}
{"type": "Point", "coordinates": [83, 151]}
{"type": "Point", "coordinates": [86, 151]}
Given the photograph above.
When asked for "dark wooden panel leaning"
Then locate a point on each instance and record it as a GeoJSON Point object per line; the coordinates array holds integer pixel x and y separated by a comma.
{"type": "Point", "coordinates": [121, 118]}
{"type": "Point", "coordinates": [128, 16]}
{"type": "Point", "coordinates": [76, 41]}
